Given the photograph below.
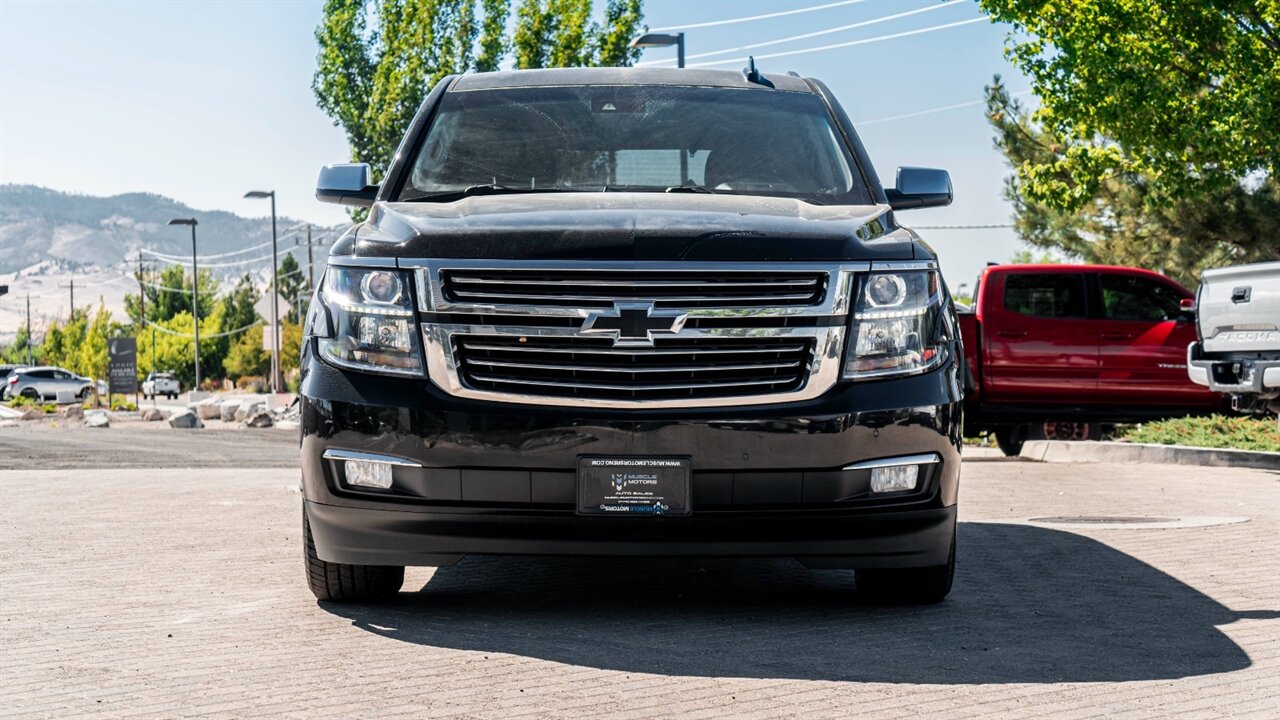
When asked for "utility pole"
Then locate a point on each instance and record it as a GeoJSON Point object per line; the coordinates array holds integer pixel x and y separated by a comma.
{"type": "Point", "coordinates": [310, 280]}
{"type": "Point", "coordinates": [142, 295]}
{"type": "Point", "coordinates": [195, 292]}
{"type": "Point", "coordinates": [30, 361]}
{"type": "Point", "coordinates": [71, 314]}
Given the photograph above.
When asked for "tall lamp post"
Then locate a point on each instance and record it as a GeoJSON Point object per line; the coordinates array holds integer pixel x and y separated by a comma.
{"type": "Point", "coordinates": [649, 40]}
{"type": "Point", "coordinates": [275, 293]}
{"type": "Point", "coordinates": [195, 292]}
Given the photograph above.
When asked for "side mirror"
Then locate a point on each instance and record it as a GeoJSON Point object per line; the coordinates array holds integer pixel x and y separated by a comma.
{"type": "Point", "coordinates": [919, 187]}
{"type": "Point", "coordinates": [1187, 309]}
{"type": "Point", "coordinates": [346, 184]}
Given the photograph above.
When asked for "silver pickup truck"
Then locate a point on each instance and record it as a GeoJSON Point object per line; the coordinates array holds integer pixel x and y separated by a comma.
{"type": "Point", "coordinates": [1238, 324]}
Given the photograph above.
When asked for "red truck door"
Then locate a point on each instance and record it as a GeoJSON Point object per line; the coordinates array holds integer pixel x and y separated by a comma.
{"type": "Point", "coordinates": [1039, 344]}
{"type": "Point", "coordinates": [1142, 341]}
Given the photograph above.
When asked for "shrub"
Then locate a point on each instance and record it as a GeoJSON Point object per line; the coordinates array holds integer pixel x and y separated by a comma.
{"type": "Point", "coordinates": [252, 383]}
{"type": "Point", "coordinates": [1215, 431]}
{"type": "Point", "coordinates": [120, 404]}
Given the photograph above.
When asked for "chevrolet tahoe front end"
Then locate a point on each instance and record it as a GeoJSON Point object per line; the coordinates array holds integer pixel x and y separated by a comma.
{"type": "Point", "coordinates": [682, 335]}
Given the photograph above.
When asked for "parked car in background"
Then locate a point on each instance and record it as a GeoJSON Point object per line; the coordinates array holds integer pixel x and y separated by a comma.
{"type": "Point", "coordinates": [1238, 345]}
{"type": "Point", "coordinates": [44, 383]}
{"type": "Point", "coordinates": [162, 383]}
{"type": "Point", "coordinates": [1060, 351]}
{"type": "Point", "coordinates": [5, 372]}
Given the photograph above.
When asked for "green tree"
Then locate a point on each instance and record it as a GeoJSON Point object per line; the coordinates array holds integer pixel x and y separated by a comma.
{"type": "Point", "coordinates": [16, 351]}
{"type": "Point", "coordinates": [247, 357]}
{"type": "Point", "coordinates": [371, 81]}
{"type": "Point", "coordinates": [1184, 94]}
{"type": "Point", "coordinates": [1120, 224]}
{"type": "Point", "coordinates": [294, 288]}
{"type": "Point", "coordinates": [167, 292]}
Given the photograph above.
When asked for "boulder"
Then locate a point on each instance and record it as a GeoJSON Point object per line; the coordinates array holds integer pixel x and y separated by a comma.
{"type": "Point", "coordinates": [260, 419]}
{"type": "Point", "coordinates": [72, 412]}
{"type": "Point", "coordinates": [152, 414]}
{"type": "Point", "coordinates": [32, 413]}
{"type": "Point", "coordinates": [227, 410]}
{"type": "Point", "coordinates": [249, 407]}
{"type": "Point", "coordinates": [97, 420]}
{"type": "Point", "coordinates": [184, 419]}
{"type": "Point", "coordinates": [209, 409]}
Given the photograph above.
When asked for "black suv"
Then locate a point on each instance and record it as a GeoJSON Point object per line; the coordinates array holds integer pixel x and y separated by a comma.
{"type": "Point", "coordinates": [631, 312]}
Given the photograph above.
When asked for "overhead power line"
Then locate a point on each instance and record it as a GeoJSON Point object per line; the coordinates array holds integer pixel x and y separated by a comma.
{"type": "Point", "coordinates": [203, 336]}
{"type": "Point", "coordinates": [233, 263]}
{"type": "Point", "coordinates": [851, 43]}
{"type": "Point", "coordinates": [806, 36]}
{"type": "Point", "coordinates": [766, 16]}
{"type": "Point", "coordinates": [930, 111]}
{"type": "Point", "coordinates": [187, 258]}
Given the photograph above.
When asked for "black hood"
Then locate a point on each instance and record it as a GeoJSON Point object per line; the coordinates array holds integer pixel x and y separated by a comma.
{"type": "Point", "coordinates": [629, 226]}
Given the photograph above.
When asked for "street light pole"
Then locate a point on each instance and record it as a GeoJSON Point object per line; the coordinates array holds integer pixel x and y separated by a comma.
{"type": "Point", "coordinates": [649, 40]}
{"type": "Point", "coordinates": [195, 290]}
{"type": "Point", "coordinates": [275, 291]}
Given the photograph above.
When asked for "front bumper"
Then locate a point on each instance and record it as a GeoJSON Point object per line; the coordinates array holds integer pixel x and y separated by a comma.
{"type": "Point", "coordinates": [499, 479]}
{"type": "Point", "coordinates": [1234, 375]}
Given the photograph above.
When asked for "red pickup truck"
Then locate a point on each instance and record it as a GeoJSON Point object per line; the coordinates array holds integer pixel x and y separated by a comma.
{"type": "Point", "coordinates": [1058, 351]}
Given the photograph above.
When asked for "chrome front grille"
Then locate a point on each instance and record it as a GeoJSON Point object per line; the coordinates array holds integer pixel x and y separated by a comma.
{"type": "Point", "coordinates": [597, 287]}
{"type": "Point", "coordinates": [634, 334]}
{"type": "Point", "coordinates": [674, 368]}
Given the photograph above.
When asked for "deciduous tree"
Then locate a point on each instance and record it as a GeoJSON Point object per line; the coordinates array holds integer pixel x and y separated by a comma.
{"type": "Point", "coordinates": [1120, 224]}
{"type": "Point", "coordinates": [377, 61]}
{"type": "Point", "coordinates": [1184, 94]}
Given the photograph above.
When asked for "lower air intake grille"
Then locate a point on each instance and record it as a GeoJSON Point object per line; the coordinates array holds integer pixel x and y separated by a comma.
{"type": "Point", "coordinates": [675, 368]}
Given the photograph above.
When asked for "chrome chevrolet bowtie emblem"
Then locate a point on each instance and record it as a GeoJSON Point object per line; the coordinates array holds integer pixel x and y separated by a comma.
{"type": "Point", "coordinates": [634, 323]}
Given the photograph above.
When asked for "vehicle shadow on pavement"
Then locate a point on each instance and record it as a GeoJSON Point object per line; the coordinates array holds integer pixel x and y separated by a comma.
{"type": "Point", "coordinates": [1030, 605]}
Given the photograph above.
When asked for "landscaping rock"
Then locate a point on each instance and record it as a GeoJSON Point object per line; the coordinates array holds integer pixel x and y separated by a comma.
{"type": "Point", "coordinates": [72, 412]}
{"type": "Point", "coordinates": [260, 419]}
{"type": "Point", "coordinates": [97, 420]}
{"type": "Point", "coordinates": [248, 408]}
{"type": "Point", "coordinates": [209, 409]}
{"type": "Point", "coordinates": [8, 423]}
{"type": "Point", "coordinates": [227, 410]}
{"type": "Point", "coordinates": [184, 419]}
{"type": "Point", "coordinates": [32, 414]}
{"type": "Point", "coordinates": [152, 414]}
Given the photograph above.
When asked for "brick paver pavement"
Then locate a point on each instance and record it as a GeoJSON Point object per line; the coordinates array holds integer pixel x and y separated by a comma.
{"type": "Point", "coordinates": [180, 593]}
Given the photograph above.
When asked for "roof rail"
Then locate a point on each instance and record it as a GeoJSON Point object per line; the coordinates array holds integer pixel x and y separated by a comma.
{"type": "Point", "coordinates": [753, 75]}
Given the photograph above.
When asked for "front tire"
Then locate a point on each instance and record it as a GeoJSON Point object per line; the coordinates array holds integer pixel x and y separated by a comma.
{"type": "Point", "coordinates": [909, 586]}
{"type": "Point", "coordinates": [1010, 439]}
{"type": "Point", "coordinates": [339, 582]}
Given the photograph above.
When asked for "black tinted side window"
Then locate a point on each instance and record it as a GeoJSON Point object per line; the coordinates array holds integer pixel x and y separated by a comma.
{"type": "Point", "coordinates": [41, 374]}
{"type": "Point", "coordinates": [1055, 295]}
{"type": "Point", "coordinates": [1137, 298]}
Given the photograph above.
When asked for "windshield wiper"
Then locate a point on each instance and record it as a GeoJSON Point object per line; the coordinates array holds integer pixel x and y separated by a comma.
{"type": "Point", "coordinates": [690, 189]}
{"type": "Point", "coordinates": [475, 190]}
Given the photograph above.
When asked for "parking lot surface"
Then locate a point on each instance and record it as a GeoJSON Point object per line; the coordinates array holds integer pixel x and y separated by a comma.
{"type": "Point", "coordinates": [160, 592]}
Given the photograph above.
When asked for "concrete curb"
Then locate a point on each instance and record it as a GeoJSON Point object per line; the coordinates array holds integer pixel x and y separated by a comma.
{"type": "Point", "coordinates": [1116, 452]}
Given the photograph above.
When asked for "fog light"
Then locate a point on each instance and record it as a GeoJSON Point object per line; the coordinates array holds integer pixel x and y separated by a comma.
{"type": "Point", "coordinates": [368, 474]}
{"type": "Point", "coordinates": [894, 478]}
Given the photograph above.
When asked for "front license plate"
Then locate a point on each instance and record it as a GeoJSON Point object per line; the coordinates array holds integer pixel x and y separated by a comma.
{"type": "Point", "coordinates": [633, 486]}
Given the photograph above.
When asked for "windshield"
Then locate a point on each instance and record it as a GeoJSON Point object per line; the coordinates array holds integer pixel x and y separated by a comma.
{"type": "Point", "coordinates": [635, 138]}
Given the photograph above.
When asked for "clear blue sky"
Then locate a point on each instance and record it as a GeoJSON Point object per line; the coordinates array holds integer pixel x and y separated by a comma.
{"type": "Point", "coordinates": [203, 101]}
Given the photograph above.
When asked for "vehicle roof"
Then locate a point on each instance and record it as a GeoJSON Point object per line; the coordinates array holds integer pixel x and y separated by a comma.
{"type": "Point", "coordinates": [29, 368]}
{"type": "Point", "coordinates": [689, 77]}
{"type": "Point", "coordinates": [1071, 267]}
{"type": "Point", "coordinates": [1068, 267]}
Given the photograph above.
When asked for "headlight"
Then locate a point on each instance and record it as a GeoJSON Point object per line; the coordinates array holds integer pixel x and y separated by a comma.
{"type": "Point", "coordinates": [895, 316]}
{"type": "Point", "coordinates": [365, 320]}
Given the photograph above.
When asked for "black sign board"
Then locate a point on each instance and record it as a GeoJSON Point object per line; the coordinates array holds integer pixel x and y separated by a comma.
{"type": "Point", "coordinates": [122, 365]}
